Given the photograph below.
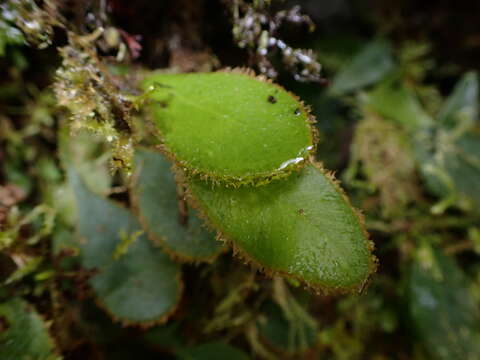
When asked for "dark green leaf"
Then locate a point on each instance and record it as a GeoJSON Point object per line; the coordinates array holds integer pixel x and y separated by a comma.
{"type": "Point", "coordinates": [366, 68]}
{"type": "Point", "coordinates": [155, 195]}
{"type": "Point", "coordinates": [23, 333]}
{"type": "Point", "coordinates": [136, 282]}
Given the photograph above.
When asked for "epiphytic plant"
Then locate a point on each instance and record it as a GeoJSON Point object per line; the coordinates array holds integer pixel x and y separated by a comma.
{"type": "Point", "coordinates": [236, 151]}
{"type": "Point", "coordinates": [241, 147]}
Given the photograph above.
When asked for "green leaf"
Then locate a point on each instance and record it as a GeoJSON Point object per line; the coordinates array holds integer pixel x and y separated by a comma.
{"type": "Point", "coordinates": [394, 101]}
{"type": "Point", "coordinates": [302, 227]}
{"type": "Point", "coordinates": [442, 309]}
{"type": "Point", "coordinates": [155, 194]}
{"type": "Point", "coordinates": [366, 68]}
{"type": "Point", "coordinates": [23, 333]}
{"type": "Point", "coordinates": [143, 285]}
{"type": "Point", "coordinates": [230, 126]}
{"type": "Point", "coordinates": [462, 104]}
{"type": "Point", "coordinates": [212, 351]}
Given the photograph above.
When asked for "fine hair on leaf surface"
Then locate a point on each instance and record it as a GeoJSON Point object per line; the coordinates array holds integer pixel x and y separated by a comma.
{"type": "Point", "coordinates": [302, 227]}
{"type": "Point", "coordinates": [230, 126]}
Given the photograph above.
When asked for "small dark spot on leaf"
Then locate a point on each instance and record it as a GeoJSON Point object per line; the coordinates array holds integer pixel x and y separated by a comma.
{"type": "Point", "coordinates": [297, 111]}
{"type": "Point", "coordinates": [271, 99]}
{"type": "Point", "coordinates": [301, 211]}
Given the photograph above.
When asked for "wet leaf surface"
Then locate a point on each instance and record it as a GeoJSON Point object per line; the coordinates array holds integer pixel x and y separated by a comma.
{"type": "Point", "coordinates": [229, 125]}
{"type": "Point", "coordinates": [302, 227]}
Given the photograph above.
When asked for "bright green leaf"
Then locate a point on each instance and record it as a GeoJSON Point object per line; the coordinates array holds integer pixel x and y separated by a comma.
{"type": "Point", "coordinates": [143, 285]}
{"type": "Point", "coordinates": [155, 195]}
{"type": "Point", "coordinates": [442, 309]}
{"type": "Point", "coordinates": [302, 227]}
{"type": "Point", "coordinates": [229, 125]}
{"type": "Point", "coordinates": [23, 333]}
{"type": "Point", "coordinates": [366, 68]}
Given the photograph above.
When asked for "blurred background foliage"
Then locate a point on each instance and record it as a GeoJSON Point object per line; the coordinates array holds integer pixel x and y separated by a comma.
{"type": "Point", "coordinates": [394, 87]}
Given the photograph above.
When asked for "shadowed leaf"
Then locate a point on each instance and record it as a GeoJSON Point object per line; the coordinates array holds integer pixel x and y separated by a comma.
{"type": "Point", "coordinates": [366, 68]}
{"type": "Point", "coordinates": [139, 286]}
{"type": "Point", "coordinates": [23, 333]}
{"type": "Point", "coordinates": [442, 309]}
{"type": "Point", "coordinates": [155, 195]}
